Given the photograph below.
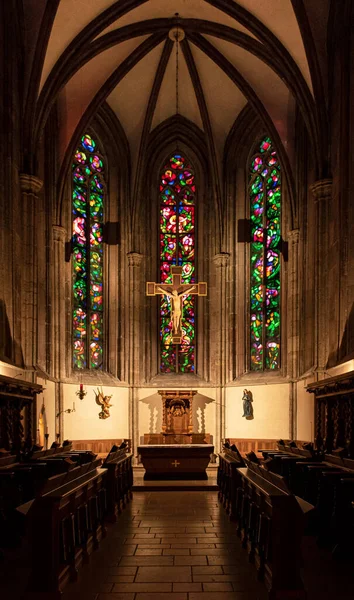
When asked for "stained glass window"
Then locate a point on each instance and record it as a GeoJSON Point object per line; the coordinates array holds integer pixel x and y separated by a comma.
{"type": "Point", "coordinates": [88, 189]}
{"type": "Point", "coordinates": [177, 245]}
{"type": "Point", "coordinates": [265, 206]}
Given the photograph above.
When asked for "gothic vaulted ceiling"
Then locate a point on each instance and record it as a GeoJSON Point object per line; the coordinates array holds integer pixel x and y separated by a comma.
{"type": "Point", "coordinates": [122, 53]}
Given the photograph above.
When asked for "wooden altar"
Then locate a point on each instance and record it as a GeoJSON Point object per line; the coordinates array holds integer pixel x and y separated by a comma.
{"type": "Point", "coordinates": [177, 420]}
{"type": "Point", "coordinates": [175, 461]}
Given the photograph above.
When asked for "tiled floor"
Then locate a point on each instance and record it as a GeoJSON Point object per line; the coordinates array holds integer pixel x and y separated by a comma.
{"type": "Point", "coordinates": [177, 545]}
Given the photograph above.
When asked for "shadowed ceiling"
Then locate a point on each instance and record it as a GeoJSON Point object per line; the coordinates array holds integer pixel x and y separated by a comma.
{"type": "Point", "coordinates": [233, 53]}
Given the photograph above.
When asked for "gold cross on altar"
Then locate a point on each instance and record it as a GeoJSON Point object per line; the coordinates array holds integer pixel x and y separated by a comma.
{"type": "Point", "coordinates": [175, 464]}
{"type": "Point", "coordinates": [176, 291]}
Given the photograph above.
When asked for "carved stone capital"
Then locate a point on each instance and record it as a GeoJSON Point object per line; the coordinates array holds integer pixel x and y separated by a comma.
{"type": "Point", "coordinates": [134, 259]}
{"type": "Point", "coordinates": [30, 184]}
{"type": "Point", "coordinates": [322, 189]}
{"type": "Point", "coordinates": [59, 233]}
{"type": "Point", "coordinates": [294, 236]}
{"type": "Point", "coordinates": [222, 259]}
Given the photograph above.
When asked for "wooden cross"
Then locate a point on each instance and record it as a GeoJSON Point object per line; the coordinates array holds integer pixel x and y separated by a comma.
{"type": "Point", "coordinates": [176, 291]}
{"type": "Point", "coordinates": [175, 464]}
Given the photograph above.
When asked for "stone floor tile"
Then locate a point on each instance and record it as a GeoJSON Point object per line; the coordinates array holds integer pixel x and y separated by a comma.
{"type": "Point", "coordinates": [175, 596]}
{"type": "Point", "coordinates": [143, 540]}
{"type": "Point", "coordinates": [120, 579]}
{"type": "Point", "coordinates": [190, 560]}
{"type": "Point", "coordinates": [115, 597]}
{"type": "Point", "coordinates": [230, 559]}
{"type": "Point", "coordinates": [149, 545]}
{"type": "Point", "coordinates": [201, 570]}
{"type": "Point", "coordinates": [221, 579]}
{"type": "Point", "coordinates": [143, 587]}
{"type": "Point", "coordinates": [217, 587]}
{"type": "Point", "coordinates": [200, 551]}
{"type": "Point", "coordinates": [148, 551]}
{"type": "Point", "coordinates": [220, 596]}
{"type": "Point", "coordinates": [166, 574]}
{"type": "Point", "coordinates": [129, 561]}
{"type": "Point", "coordinates": [123, 570]}
{"type": "Point", "coordinates": [187, 587]}
{"type": "Point", "coordinates": [176, 552]}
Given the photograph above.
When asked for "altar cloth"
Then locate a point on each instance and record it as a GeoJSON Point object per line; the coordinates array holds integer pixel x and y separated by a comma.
{"type": "Point", "coordinates": [187, 461]}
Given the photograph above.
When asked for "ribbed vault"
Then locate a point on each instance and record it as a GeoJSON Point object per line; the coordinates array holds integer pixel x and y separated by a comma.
{"type": "Point", "coordinates": [233, 54]}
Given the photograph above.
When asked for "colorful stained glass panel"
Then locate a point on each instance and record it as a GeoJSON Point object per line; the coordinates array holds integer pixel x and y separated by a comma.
{"type": "Point", "coordinates": [177, 246]}
{"type": "Point", "coordinates": [88, 200]}
{"type": "Point", "coordinates": [265, 215]}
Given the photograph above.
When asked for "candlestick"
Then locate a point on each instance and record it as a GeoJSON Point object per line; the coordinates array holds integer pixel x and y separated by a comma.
{"type": "Point", "coordinates": [81, 392]}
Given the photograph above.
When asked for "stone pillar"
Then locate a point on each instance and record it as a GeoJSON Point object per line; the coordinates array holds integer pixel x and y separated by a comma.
{"type": "Point", "coordinates": [221, 261]}
{"type": "Point", "coordinates": [322, 191]}
{"type": "Point", "coordinates": [135, 340]}
{"type": "Point", "coordinates": [293, 327]}
{"type": "Point", "coordinates": [30, 188]}
{"type": "Point", "coordinates": [59, 343]}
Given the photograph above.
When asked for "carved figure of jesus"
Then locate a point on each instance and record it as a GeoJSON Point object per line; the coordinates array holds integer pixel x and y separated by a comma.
{"type": "Point", "coordinates": [176, 305]}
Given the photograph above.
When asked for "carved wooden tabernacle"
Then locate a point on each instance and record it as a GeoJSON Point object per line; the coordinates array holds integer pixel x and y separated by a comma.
{"type": "Point", "coordinates": [177, 415]}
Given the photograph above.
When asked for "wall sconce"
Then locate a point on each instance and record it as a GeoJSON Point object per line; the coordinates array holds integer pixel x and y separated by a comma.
{"type": "Point", "coordinates": [68, 410]}
{"type": "Point", "coordinates": [81, 392]}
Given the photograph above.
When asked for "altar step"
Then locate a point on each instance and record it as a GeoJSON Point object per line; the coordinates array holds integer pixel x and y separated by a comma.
{"type": "Point", "coordinates": [140, 485]}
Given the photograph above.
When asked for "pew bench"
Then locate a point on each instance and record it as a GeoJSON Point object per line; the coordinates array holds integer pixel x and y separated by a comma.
{"type": "Point", "coordinates": [270, 523]}
{"type": "Point", "coordinates": [67, 520]}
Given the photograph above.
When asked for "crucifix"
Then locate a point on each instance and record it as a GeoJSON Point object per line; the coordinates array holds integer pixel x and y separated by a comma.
{"type": "Point", "coordinates": [176, 291]}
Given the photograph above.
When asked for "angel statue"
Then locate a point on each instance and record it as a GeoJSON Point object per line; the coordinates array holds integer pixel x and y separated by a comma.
{"type": "Point", "coordinates": [103, 402]}
{"type": "Point", "coordinates": [247, 404]}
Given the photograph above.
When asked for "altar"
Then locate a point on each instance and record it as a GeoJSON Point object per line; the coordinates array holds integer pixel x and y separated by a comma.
{"type": "Point", "coordinates": [170, 461]}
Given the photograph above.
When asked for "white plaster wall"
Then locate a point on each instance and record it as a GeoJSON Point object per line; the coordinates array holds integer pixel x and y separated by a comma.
{"type": "Point", "coordinates": [305, 412]}
{"type": "Point", "coordinates": [270, 410]}
{"type": "Point", "coordinates": [84, 424]}
{"type": "Point", "coordinates": [150, 411]}
{"type": "Point", "coordinates": [48, 399]}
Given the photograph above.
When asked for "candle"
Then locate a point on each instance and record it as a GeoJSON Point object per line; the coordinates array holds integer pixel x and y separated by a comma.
{"type": "Point", "coordinates": [46, 429]}
{"type": "Point", "coordinates": [73, 405]}
{"type": "Point", "coordinates": [81, 387]}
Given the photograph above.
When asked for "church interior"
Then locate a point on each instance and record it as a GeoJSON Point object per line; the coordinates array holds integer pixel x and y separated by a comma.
{"type": "Point", "coordinates": [176, 316]}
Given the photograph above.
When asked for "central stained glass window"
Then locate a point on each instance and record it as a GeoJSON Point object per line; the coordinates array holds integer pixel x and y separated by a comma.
{"type": "Point", "coordinates": [88, 192]}
{"type": "Point", "coordinates": [265, 206]}
{"type": "Point", "coordinates": [177, 247]}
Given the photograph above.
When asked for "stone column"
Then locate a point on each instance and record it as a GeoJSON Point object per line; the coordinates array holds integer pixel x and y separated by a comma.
{"type": "Point", "coordinates": [135, 340]}
{"type": "Point", "coordinates": [221, 261]}
{"type": "Point", "coordinates": [30, 188]}
{"type": "Point", "coordinates": [59, 345]}
{"type": "Point", "coordinates": [322, 191]}
{"type": "Point", "coordinates": [293, 327]}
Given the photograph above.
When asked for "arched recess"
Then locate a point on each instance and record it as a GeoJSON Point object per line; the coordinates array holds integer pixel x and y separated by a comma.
{"type": "Point", "coordinates": [246, 133]}
{"type": "Point", "coordinates": [175, 134]}
{"type": "Point", "coordinates": [109, 136]}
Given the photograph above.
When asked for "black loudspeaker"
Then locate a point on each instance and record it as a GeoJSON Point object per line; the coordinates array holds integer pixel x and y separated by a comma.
{"type": "Point", "coordinates": [244, 230]}
{"type": "Point", "coordinates": [111, 233]}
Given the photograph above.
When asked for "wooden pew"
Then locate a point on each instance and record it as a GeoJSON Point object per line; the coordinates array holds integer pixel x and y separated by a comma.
{"type": "Point", "coordinates": [270, 523]}
{"type": "Point", "coordinates": [119, 481]}
{"type": "Point", "coordinates": [228, 479]}
{"type": "Point", "coordinates": [65, 524]}
{"type": "Point", "coordinates": [67, 520]}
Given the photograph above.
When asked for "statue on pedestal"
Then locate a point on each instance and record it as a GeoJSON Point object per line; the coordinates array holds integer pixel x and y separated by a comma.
{"type": "Point", "coordinates": [247, 404]}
